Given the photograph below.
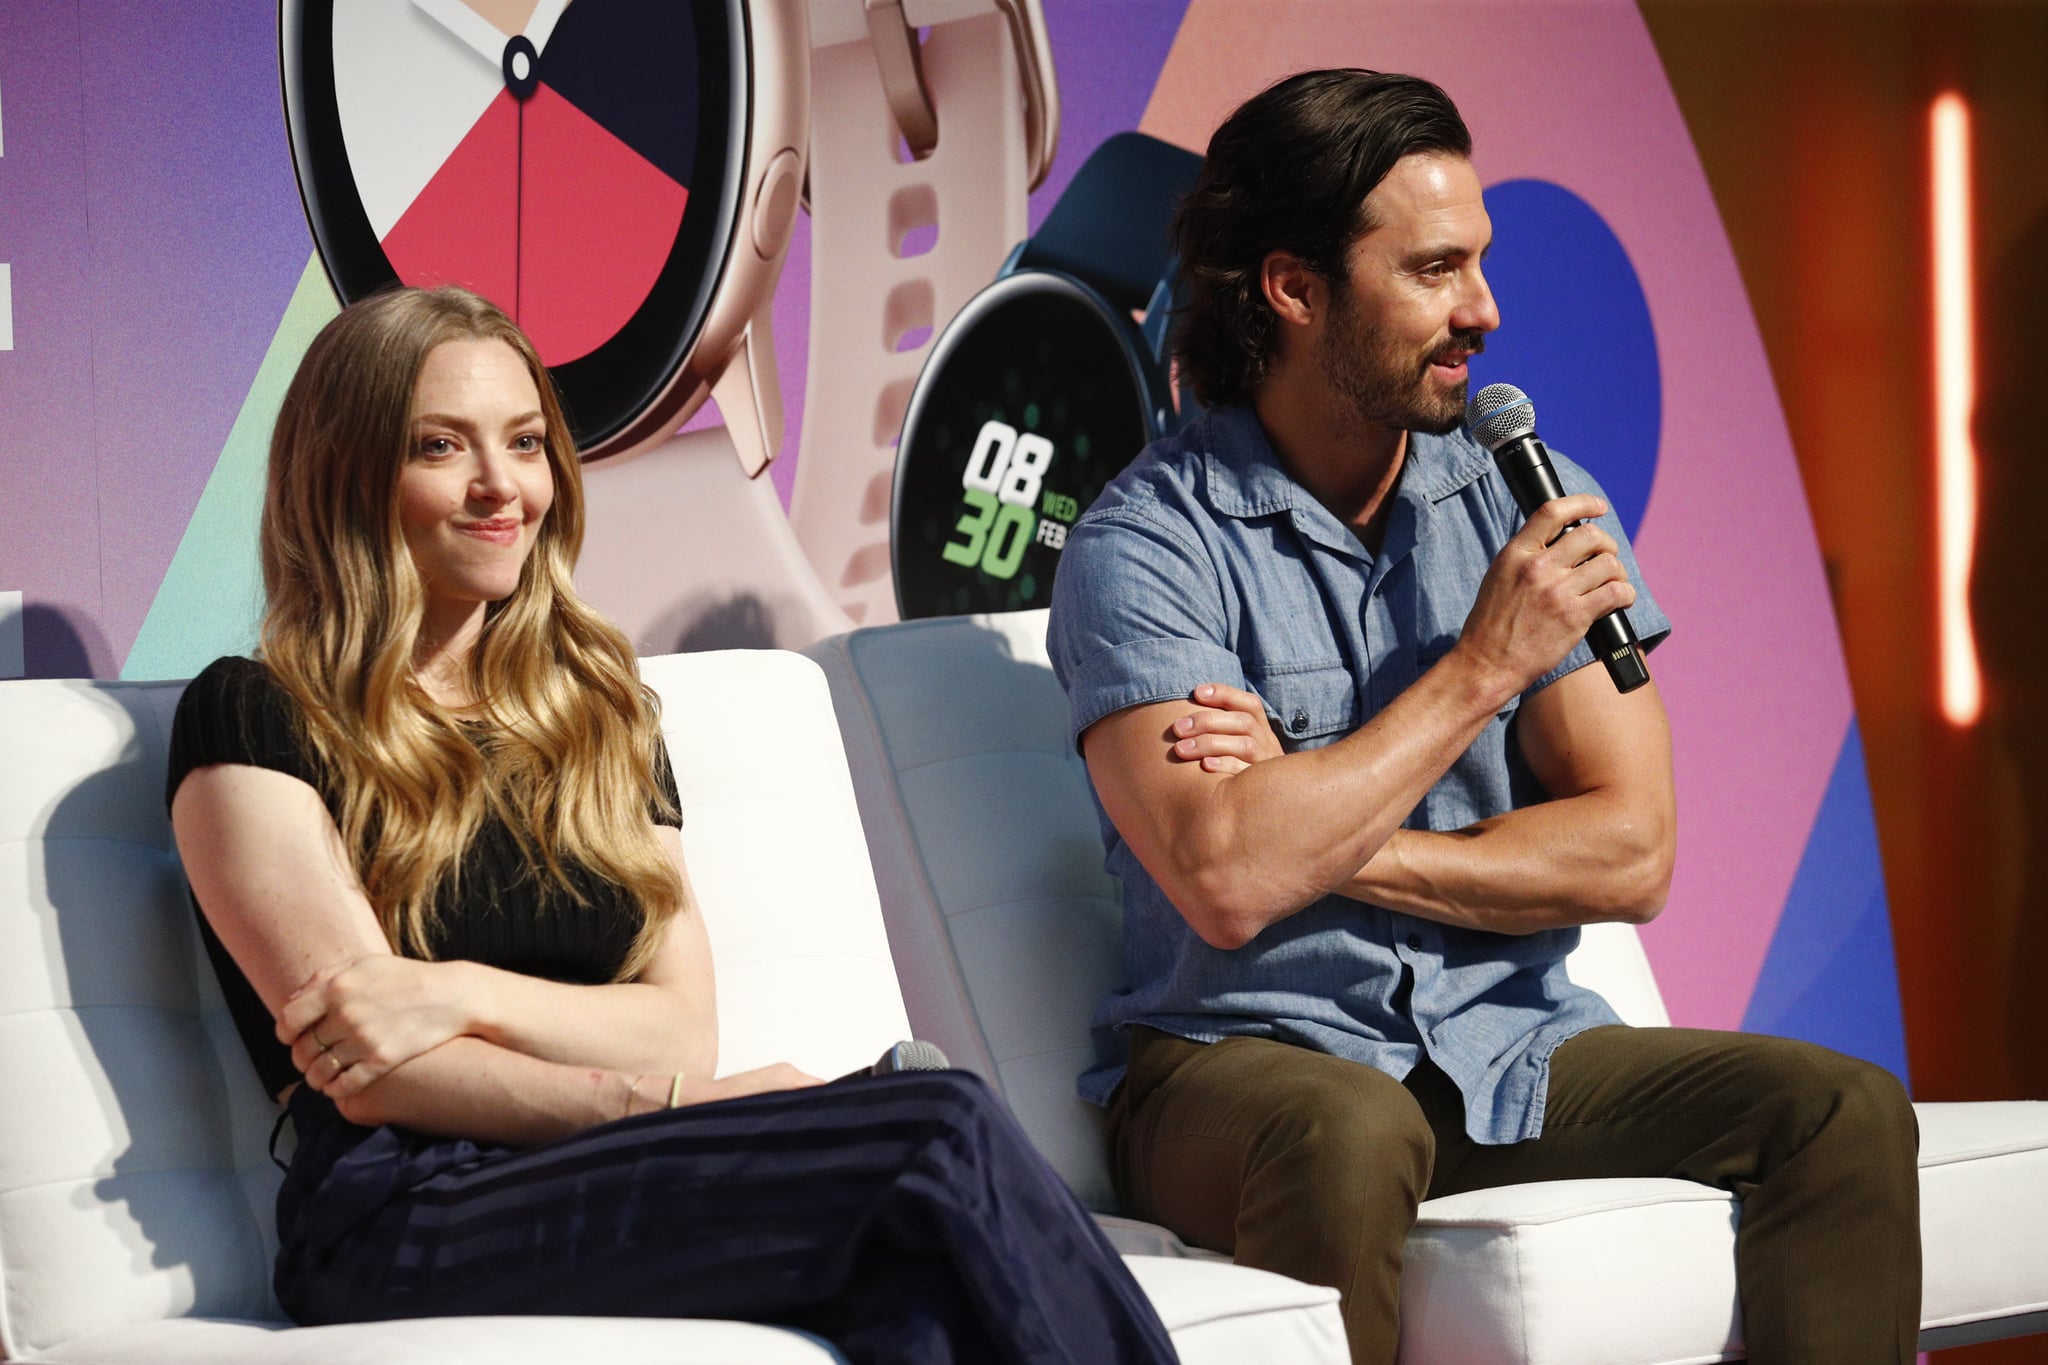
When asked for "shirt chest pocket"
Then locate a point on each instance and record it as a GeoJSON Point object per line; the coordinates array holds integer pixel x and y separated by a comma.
{"type": "Point", "coordinates": [1309, 705]}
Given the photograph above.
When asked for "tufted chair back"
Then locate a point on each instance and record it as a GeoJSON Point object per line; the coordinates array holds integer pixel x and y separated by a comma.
{"type": "Point", "coordinates": [134, 1178]}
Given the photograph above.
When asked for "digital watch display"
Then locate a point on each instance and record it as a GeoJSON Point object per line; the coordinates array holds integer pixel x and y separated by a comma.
{"type": "Point", "coordinates": [1030, 404]}
{"type": "Point", "coordinates": [1039, 392]}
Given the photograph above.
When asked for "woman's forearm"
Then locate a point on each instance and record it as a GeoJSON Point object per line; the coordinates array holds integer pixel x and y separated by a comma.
{"type": "Point", "coordinates": [470, 1088]}
{"type": "Point", "coordinates": [632, 1026]}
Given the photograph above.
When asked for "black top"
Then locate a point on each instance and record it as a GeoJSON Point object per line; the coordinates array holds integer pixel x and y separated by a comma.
{"type": "Point", "coordinates": [500, 915]}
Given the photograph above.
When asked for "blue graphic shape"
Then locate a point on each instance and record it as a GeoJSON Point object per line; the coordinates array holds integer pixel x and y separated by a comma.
{"type": "Point", "coordinates": [1830, 976]}
{"type": "Point", "coordinates": [1575, 335]}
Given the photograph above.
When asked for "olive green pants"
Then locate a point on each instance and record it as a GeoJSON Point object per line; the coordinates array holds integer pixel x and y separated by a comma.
{"type": "Point", "coordinates": [1302, 1163]}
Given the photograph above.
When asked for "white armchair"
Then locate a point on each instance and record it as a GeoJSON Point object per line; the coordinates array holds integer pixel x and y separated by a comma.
{"type": "Point", "coordinates": [1004, 929]}
{"type": "Point", "coordinates": [135, 1189]}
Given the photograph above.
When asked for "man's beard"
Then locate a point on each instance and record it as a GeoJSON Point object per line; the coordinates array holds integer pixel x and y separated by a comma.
{"type": "Point", "coordinates": [1384, 385]}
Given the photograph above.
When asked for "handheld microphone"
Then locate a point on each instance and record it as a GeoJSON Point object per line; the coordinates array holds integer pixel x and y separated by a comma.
{"type": "Point", "coordinates": [1501, 418]}
{"type": "Point", "coordinates": [914, 1054]}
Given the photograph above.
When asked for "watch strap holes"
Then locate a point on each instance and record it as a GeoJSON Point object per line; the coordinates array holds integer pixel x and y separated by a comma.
{"type": "Point", "coordinates": [868, 564]}
{"type": "Point", "coordinates": [907, 316]}
{"type": "Point", "coordinates": [913, 221]}
{"type": "Point", "coordinates": [874, 500]}
{"type": "Point", "coordinates": [890, 409]}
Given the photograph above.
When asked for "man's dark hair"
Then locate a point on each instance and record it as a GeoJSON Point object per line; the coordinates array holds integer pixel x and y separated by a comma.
{"type": "Point", "coordinates": [1289, 171]}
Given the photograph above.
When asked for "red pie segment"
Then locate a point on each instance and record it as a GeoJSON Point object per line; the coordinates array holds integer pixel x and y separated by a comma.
{"type": "Point", "coordinates": [464, 226]}
{"type": "Point", "coordinates": [597, 224]}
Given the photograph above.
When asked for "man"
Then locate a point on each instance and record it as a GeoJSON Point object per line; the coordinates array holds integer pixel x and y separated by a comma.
{"type": "Point", "coordinates": [1344, 942]}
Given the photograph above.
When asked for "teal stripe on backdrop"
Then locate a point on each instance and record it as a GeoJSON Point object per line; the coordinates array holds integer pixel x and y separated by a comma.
{"type": "Point", "coordinates": [212, 594]}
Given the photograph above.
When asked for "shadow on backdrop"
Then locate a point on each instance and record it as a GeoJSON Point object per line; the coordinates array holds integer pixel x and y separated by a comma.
{"type": "Point", "coordinates": [63, 642]}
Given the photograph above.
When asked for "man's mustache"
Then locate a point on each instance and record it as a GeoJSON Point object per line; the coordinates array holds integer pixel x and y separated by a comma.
{"type": "Point", "coordinates": [1471, 343]}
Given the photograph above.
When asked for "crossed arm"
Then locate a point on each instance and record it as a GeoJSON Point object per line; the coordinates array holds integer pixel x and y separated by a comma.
{"type": "Point", "coordinates": [1600, 850]}
{"type": "Point", "coordinates": [1240, 835]}
{"type": "Point", "coordinates": [455, 1048]}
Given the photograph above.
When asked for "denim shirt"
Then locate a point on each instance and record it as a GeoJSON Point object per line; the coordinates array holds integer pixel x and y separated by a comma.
{"type": "Point", "coordinates": [1205, 562]}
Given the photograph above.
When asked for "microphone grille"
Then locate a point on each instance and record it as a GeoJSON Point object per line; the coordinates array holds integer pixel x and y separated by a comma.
{"type": "Point", "coordinates": [1500, 413]}
{"type": "Point", "coordinates": [914, 1055]}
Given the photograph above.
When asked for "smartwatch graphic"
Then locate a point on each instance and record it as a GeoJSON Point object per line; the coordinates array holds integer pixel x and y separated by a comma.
{"type": "Point", "coordinates": [1040, 391]}
{"type": "Point", "coordinates": [917, 186]}
{"type": "Point", "coordinates": [622, 176]}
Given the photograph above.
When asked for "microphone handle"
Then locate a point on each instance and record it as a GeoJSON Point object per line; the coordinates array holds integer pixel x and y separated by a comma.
{"type": "Point", "coordinates": [1525, 464]}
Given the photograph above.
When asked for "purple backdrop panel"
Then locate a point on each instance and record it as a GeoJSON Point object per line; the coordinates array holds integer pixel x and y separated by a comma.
{"type": "Point", "coordinates": [49, 498]}
{"type": "Point", "coordinates": [197, 241]}
{"type": "Point", "coordinates": [1584, 105]}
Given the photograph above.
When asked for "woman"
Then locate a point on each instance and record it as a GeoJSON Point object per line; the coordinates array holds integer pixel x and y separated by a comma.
{"type": "Point", "coordinates": [436, 847]}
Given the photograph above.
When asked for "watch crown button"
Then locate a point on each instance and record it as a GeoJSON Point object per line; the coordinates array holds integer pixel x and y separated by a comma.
{"type": "Point", "coordinates": [775, 204]}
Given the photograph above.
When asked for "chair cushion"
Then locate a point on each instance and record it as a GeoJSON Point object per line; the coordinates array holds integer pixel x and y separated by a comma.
{"type": "Point", "coordinates": [1218, 1315]}
{"type": "Point", "coordinates": [1593, 1271]}
{"type": "Point", "coordinates": [1626, 1271]}
{"type": "Point", "coordinates": [1589, 1272]}
{"type": "Point", "coordinates": [1983, 1216]}
{"type": "Point", "coordinates": [985, 845]}
{"type": "Point", "coordinates": [804, 972]}
{"type": "Point", "coordinates": [1222, 1314]}
{"type": "Point", "coordinates": [141, 1189]}
{"type": "Point", "coordinates": [444, 1341]}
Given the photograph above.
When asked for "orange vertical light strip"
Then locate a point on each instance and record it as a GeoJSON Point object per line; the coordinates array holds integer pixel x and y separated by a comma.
{"type": "Point", "coordinates": [1955, 396]}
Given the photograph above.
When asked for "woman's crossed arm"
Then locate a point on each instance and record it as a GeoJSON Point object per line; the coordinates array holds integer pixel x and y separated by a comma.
{"type": "Point", "coordinates": [446, 1047]}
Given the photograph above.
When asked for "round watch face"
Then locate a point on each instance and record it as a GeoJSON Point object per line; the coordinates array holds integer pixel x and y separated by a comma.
{"type": "Point", "coordinates": [1036, 396]}
{"type": "Point", "coordinates": [578, 164]}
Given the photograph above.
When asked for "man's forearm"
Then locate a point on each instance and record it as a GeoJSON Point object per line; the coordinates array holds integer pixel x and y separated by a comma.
{"type": "Point", "coordinates": [1280, 835]}
{"type": "Point", "coordinates": [1581, 860]}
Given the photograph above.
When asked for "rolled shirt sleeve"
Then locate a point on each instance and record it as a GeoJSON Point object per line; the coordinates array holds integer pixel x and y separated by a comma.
{"type": "Point", "coordinates": [1138, 616]}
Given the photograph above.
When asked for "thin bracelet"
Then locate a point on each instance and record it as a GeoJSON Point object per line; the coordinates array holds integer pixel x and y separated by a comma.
{"type": "Point", "coordinates": [675, 1091]}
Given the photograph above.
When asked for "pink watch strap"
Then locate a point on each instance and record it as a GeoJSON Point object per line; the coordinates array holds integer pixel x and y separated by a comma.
{"type": "Point", "coordinates": [867, 298]}
{"type": "Point", "coordinates": [684, 551]}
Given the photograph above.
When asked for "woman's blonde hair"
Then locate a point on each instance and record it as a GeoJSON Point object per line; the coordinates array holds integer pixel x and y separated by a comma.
{"type": "Point", "coordinates": [571, 733]}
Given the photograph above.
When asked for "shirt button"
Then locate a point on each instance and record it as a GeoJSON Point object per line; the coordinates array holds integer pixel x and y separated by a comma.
{"type": "Point", "coordinates": [1299, 723]}
{"type": "Point", "coordinates": [1415, 942]}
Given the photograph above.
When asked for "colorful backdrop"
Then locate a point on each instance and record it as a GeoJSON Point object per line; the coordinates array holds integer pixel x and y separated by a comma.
{"type": "Point", "coordinates": [157, 287]}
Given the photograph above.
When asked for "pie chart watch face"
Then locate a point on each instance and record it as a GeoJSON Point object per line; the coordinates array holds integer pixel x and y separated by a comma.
{"type": "Point", "coordinates": [575, 163]}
